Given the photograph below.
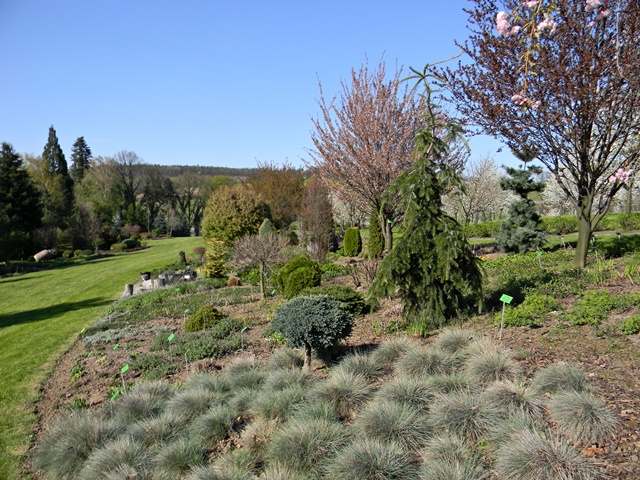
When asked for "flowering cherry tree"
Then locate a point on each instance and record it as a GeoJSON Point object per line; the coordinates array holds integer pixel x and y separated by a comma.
{"type": "Point", "coordinates": [561, 75]}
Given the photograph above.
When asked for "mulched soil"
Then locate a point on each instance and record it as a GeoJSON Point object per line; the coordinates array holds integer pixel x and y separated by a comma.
{"type": "Point", "coordinates": [608, 358]}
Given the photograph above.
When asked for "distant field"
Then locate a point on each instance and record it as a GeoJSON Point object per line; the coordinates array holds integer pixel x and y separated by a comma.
{"type": "Point", "coordinates": [41, 315]}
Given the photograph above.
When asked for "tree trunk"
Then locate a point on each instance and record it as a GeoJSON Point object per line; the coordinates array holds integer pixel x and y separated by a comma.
{"type": "Point", "coordinates": [387, 233]}
{"type": "Point", "coordinates": [262, 282]}
{"type": "Point", "coordinates": [307, 357]}
{"type": "Point", "coordinates": [584, 234]}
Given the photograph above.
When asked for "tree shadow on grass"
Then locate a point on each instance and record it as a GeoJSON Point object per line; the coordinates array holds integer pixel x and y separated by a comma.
{"type": "Point", "coordinates": [38, 314]}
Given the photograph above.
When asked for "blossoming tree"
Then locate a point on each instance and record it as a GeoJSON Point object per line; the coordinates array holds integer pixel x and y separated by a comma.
{"type": "Point", "coordinates": [562, 74]}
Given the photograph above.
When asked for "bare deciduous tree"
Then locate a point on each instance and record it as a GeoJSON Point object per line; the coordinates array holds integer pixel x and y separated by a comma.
{"type": "Point", "coordinates": [260, 251]}
{"type": "Point", "coordinates": [364, 139]}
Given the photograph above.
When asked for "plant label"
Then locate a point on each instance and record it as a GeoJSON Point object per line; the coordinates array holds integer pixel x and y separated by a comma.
{"type": "Point", "coordinates": [124, 369]}
{"type": "Point", "coordinates": [506, 298]}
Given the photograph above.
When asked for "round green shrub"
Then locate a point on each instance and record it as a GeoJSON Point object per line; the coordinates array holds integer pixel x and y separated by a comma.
{"type": "Point", "coordinates": [85, 253]}
{"type": "Point", "coordinates": [118, 247]}
{"type": "Point", "coordinates": [560, 225]}
{"type": "Point", "coordinates": [352, 301]}
{"type": "Point", "coordinates": [205, 317]}
{"type": "Point", "coordinates": [77, 253]}
{"type": "Point", "coordinates": [131, 242]}
{"type": "Point", "coordinates": [352, 242]}
{"type": "Point", "coordinates": [300, 279]}
{"type": "Point", "coordinates": [290, 282]}
{"type": "Point", "coordinates": [631, 325]}
{"type": "Point", "coordinates": [317, 322]}
{"type": "Point", "coordinates": [534, 312]}
{"type": "Point", "coordinates": [67, 254]}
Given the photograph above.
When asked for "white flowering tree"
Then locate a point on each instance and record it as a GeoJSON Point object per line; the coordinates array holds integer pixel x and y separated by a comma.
{"type": "Point", "coordinates": [562, 75]}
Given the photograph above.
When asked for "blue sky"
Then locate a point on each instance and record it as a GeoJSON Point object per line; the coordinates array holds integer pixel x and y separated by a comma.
{"type": "Point", "coordinates": [194, 82]}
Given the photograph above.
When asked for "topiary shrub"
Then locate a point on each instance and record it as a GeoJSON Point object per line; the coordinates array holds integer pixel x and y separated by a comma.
{"type": "Point", "coordinates": [118, 247]}
{"type": "Point", "coordinates": [233, 281]}
{"type": "Point", "coordinates": [376, 239]}
{"type": "Point", "coordinates": [267, 228]}
{"type": "Point", "coordinates": [352, 242]}
{"type": "Point", "coordinates": [291, 285]}
{"type": "Point", "coordinates": [352, 301]}
{"type": "Point", "coordinates": [206, 316]}
{"type": "Point", "coordinates": [77, 253]}
{"type": "Point", "coordinates": [317, 322]}
{"type": "Point", "coordinates": [67, 254]}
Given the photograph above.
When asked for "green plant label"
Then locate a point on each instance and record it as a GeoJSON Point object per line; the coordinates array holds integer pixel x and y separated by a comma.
{"type": "Point", "coordinates": [89, 354]}
{"type": "Point", "coordinates": [82, 331]}
{"type": "Point", "coordinates": [115, 347]}
{"type": "Point", "coordinates": [171, 337]}
{"type": "Point", "coordinates": [108, 339]}
{"type": "Point", "coordinates": [186, 311]}
{"type": "Point", "coordinates": [506, 298]}
{"type": "Point", "coordinates": [388, 221]}
{"type": "Point", "coordinates": [243, 329]}
{"type": "Point", "coordinates": [115, 394]}
{"type": "Point", "coordinates": [540, 253]}
{"type": "Point", "coordinates": [124, 369]}
{"type": "Point", "coordinates": [178, 290]}
{"type": "Point", "coordinates": [273, 292]}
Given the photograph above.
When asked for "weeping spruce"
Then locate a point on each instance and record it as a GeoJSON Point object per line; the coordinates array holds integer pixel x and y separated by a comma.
{"type": "Point", "coordinates": [431, 267]}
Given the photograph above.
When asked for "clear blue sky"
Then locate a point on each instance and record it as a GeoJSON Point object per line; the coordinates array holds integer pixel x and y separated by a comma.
{"type": "Point", "coordinates": [218, 83]}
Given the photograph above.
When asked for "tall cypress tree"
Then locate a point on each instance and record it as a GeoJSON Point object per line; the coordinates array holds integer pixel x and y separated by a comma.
{"type": "Point", "coordinates": [431, 267]}
{"type": "Point", "coordinates": [80, 158]}
{"type": "Point", "coordinates": [59, 197]}
{"type": "Point", "coordinates": [20, 209]}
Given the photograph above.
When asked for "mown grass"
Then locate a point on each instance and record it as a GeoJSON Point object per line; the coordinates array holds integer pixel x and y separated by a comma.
{"type": "Point", "coordinates": [41, 314]}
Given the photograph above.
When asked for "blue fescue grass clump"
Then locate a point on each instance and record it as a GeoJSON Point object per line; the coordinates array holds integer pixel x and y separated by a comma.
{"type": "Point", "coordinates": [458, 408]}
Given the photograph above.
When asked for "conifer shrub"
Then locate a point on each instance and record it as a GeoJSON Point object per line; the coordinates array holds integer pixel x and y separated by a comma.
{"type": "Point", "coordinates": [267, 228]}
{"type": "Point", "coordinates": [350, 300]}
{"type": "Point", "coordinates": [375, 246]}
{"type": "Point", "coordinates": [297, 274]}
{"type": "Point", "coordinates": [205, 317]}
{"type": "Point", "coordinates": [352, 242]}
{"type": "Point", "coordinates": [312, 322]}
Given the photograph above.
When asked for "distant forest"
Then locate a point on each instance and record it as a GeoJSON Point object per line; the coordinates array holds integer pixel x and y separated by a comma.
{"type": "Point", "coordinates": [173, 171]}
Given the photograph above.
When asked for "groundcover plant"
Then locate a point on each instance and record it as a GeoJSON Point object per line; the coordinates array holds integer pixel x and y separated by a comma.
{"type": "Point", "coordinates": [457, 408]}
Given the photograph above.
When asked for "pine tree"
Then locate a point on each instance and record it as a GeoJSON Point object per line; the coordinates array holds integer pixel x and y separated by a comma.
{"type": "Point", "coordinates": [20, 208]}
{"type": "Point", "coordinates": [431, 267]}
{"type": "Point", "coordinates": [521, 232]}
{"type": "Point", "coordinates": [80, 159]}
{"type": "Point", "coordinates": [58, 205]}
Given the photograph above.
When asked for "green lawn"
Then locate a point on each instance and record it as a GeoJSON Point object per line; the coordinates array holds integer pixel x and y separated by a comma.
{"type": "Point", "coordinates": [41, 315]}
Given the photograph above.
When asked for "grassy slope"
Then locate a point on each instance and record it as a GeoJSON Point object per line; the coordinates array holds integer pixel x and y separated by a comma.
{"type": "Point", "coordinates": [41, 315]}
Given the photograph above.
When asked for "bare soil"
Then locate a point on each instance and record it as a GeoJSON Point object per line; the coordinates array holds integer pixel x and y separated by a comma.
{"type": "Point", "coordinates": [609, 359]}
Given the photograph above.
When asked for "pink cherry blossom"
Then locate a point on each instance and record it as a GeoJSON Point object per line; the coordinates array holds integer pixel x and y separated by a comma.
{"type": "Point", "coordinates": [531, 4]}
{"type": "Point", "coordinates": [519, 100]}
{"type": "Point", "coordinates": [603, 14]}
{"type": "Point", "coordinates": [502, 23]}
{"type": "Point", "coordinates": [621, 175]}
{"type": "Point", "coordinates": [547, 24]}
{"type": "Point", "coordinates": [592, 5]}
{"type": "Point", "coordinates": [535, 105]}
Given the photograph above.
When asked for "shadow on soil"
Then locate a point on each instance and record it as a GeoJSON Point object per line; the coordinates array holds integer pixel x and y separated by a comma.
{"type": "Point", "coordinates": [38, 314]}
